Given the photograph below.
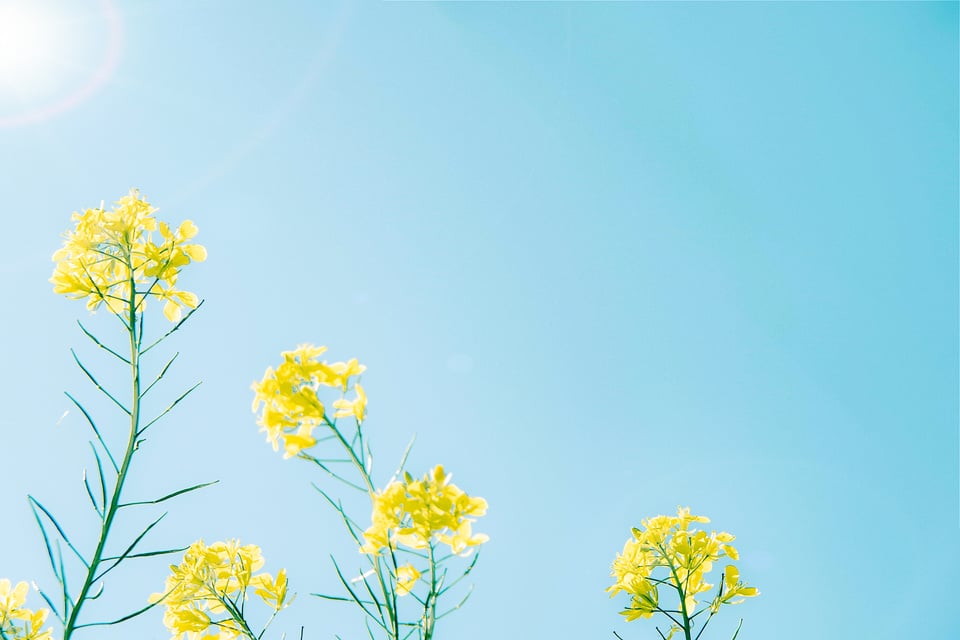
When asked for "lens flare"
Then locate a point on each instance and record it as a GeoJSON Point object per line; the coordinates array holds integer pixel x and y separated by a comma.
{"type": "Point", "coordinates": [44, 70]}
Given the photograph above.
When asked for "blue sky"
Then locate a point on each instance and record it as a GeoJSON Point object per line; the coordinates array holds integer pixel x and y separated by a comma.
{"type": "Point", "coordinates": [602, 258]}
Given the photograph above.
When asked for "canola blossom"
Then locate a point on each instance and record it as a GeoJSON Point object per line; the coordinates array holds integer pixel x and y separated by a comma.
{"type": "Point", "coordinates": [682, 557]}
{"type": "Point", "coordinates": [288, 394]}
{"type": "Point", "coordinates": [204, 594]}
{"type": "Point", "coordinates": [407, 577]}
{"type": "Point", "coordinates": [113, 258]}
{"type": "Point", "coordinates": [16, 621]}
{"type": "Point", "coordinates": [418, 513]}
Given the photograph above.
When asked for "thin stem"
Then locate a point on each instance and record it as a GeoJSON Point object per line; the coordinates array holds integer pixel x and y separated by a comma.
{"type": "Point", "coordinates": [430, 607]}
{"type": "Point", "coordinates": [114, 506]}
{"type": "Point", "coordinates": [353, 456]}
{"type": "Point", "coordinates": [683, 602]}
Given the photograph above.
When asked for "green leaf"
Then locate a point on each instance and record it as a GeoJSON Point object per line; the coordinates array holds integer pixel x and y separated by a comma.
{"type": "Point", "coordinates": [95, 431]}
{"type": "Point", "coordinates": [160, 375]}
{"type": "Point", "coordinates": [101, 345]}
{"type": "Point", "coordinates": [129, 550]}
{"type": "Point", "coordinates": [59, 529]}
{"type": "Point", "coordinates": [737, 632]}
{"type": "Point", "coordinates": [148, 554]}
{"type": "Point", "coordinates": [168, 409]}
{"type": "Point", "coordinates": [170, 495]}
{"type": "Point", "coordinates": [175, 327]}
{"type": "Point", "coordinates": [119, 620]}
{"type": "Point", "coordinates": [53, 608]}
{"type": "Point", "coordinates": [93, 500]}
{"type": "Point", "coordinates": [360, 603]}
{"type": "Point", "coordinates": [97, 384]}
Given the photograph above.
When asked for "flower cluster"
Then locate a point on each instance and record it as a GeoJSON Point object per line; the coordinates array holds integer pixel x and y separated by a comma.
{"type": "Point", "coordinates": [17, 622]}
{"type": "Point", "coordinates": [288, 394]}
{"type": "Point", "coordinates": [204, 594]}
{"type": "Point", "coordinates": [111, 258]}
{"type": "Point", "coordinates": [686, 554]}
{"type": "Point", "coordinates": [415, 513]}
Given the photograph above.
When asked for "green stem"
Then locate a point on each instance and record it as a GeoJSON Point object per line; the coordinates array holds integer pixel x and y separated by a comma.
{"type": "Point", "coordinates": [235, 613]}
{"type": "Point", "coordinates": [353, 455]}
{"type": "Point", "coordinates": [389, 595]}
{"type": "Point", "coordinates": [679, 588]}
{"type": "Point", "coordinates": [114, 505]}
{"type": "Point", "coordinates": [430, 606]}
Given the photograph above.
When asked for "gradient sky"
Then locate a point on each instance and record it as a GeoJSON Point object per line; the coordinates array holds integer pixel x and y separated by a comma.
{"type": "Point", "coordinates": [603, 259]}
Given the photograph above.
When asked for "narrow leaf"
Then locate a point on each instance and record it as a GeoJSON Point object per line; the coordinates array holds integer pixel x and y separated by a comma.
{"type": "Point", "coordinates": [170, 495]}
{"type": "Point", "coordinates": [160, 375]}
{"type": "Point", "coordinates": [148, 554]}
{"type": "Point", "coordinates": [93, 500]}
{"type": "Point", "coordinates": [97, 384]}
{"type": "Point", "coordinates": [403, 459]}
{"type": "Point", "coordinates": [123, 619]}
{"type": "Point", "coordinates": [53, 608]}
{"type": "Point", "coordinates": [59, 530]}
{"type": "Point", "coordinates": [46, 542]}
{"type": "Point", "coordinates": [333, 474]}
{"type": "Point", "coordinates": [458, 605]}
{"type": "Point", "coordinates": [95, 430]}
{"type": "Point", "coordinates": [129, 550]}
{"type": "Point", "coordinates": [168, 409]}
{"type": "Point", "coordinates": [103, 482]}
{"type": "Point", "coordinates": [360, 603]}
{"type": "Point", "coordinates": [175, 327]}
{"type": "Point", "coordinates": [738, 630]}
{"type": "Point", "coordinates": [101, 345]}
{"type": "Point", "coordinates": [327, 597]}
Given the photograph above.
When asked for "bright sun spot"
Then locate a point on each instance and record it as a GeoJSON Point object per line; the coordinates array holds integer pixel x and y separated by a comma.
{"type": "Point", "coordinates": [30, 38]}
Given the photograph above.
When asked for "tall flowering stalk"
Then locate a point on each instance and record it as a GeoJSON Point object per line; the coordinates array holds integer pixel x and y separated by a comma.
{"type": "Point", "coordinates": [412, 519]}
{"type": "Point", "coordinates": [118, 259]}
{"type": "Point", "coordinates": [667, 553]}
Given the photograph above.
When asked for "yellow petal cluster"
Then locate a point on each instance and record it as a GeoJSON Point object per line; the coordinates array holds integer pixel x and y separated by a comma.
{"type": "Point", "coordinates": [407, 576]}
{"type": "Point", "coordinates": [288, 394]}
{"type": "Point", "coordinates": [16, 621]}
{"type": "Point", "coordinates": [356, 408]}
{"type": "Point", "coordinates": [685, 555]}
{"type": "Point", "coordinates": [203, 593]}
{"type": "Point", "coordinates": [113, 256]}
{"type": "Point", "coordinates": [418, 512]}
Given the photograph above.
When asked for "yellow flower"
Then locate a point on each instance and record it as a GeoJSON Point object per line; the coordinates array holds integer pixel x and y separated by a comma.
{"type": "Point", "coordinates": [12, 599]}
{"type": "Point", "coordinates": [733, 588]}
{"type": "Point", "coordinates": [16, 621]}
{"type": "Point", "coordinates": [685, 555]}
{"type": "Point", "coordinates": [273, 592]}
{"type": "Point", "coordinates": [407, 577]}
{"type": "Point", "coordinates": [291, 409]}
{"type": "Point", "coordinates": [356, 408]}
{"type": "Point", "coordinates": [415, 513]}
{"type": "Point", "coordinates": [202, 593]}
{"type": "Point", "coordinates": [111, 258]}
{"type": "Point", "coordinates": [645, 599]}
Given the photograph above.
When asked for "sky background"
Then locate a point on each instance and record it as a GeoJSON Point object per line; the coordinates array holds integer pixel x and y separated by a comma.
{"type": "Point", "coordinates": [603, 259]}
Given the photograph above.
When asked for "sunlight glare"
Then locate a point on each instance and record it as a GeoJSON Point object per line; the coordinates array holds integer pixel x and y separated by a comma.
{"type": "Point", "coordinates": [30, 40]}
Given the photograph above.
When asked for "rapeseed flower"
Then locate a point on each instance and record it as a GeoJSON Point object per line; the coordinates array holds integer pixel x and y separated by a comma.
{"type": "Point", "coordinates": [16, 621]}
{"type": "Point", "coordinates": [685, 555]}
{"type": "Point", "coordinates": [204, 593]}
{"type": "Point", "coordinates": [407, 577]}
{"type": "Point", "coordinates": [357, 408]}
{"type": "Point", "coordinates": [288, 395]}
{"type": "Point", "coordinates": [417, 513]}
{"type": "Point", "coordinates": [112, 258]}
